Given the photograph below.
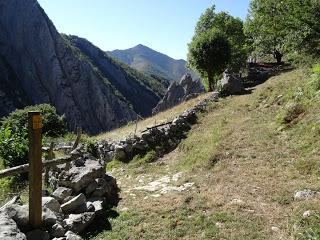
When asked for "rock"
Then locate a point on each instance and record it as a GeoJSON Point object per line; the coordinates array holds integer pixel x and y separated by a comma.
{"type": "Point", "coordinates": [38, 235]}
{"type": "Point", "coordinates": [72, 236]}
{"type": "Point", "coordinates": [48, 216]}
{"type": "Point", "coordinates": [307, 214]}
{"type": "Point", "coordinates": [78, 178]}
{"type": "Point", "coordinates": [74, 203]}
{"type": "Point", "coordinates": [303, 194]}
{"type": "Point", "coordinates": [20, 214]}
{"type": "Point", "coordinates": [97, 203]}
{"type": "Point", "coordinates": [107, 186]}
{"type": "Point", "coordinates": [179, 92]}
{"type": "Point", "coordinates": [275, 229]}
{"type": "Point", "coordinates": [57, 231]}
{"type": "Point", "coordinates": [14, 200]}
{"type": "Point", "coordinates": [231, 84]}
{"type": "Point", "coordinates": [61, 193]}
{"type": "Point", "coordinates": [9, 229]}
{"type": "Point", "coordinates": [91, 187]}
{"type": "Point", "coordinates": [78, 222]}
{"type": "Point", "coordinates": [120, 153]}
{"type": "Point", "coordinates": [51, 203]}
{"type": "Point", "coordinates": [67, 199]}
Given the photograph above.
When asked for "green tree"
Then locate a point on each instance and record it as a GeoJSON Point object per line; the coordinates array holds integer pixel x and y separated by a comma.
{"type": "Point", "coordinates": [264, 26]}
{"type": "Point", "coordinates": [209, 53]}
{"type": "Point", "coordinates": [281, 27]}
{"type": "Point", "coordinates": [232, 28]}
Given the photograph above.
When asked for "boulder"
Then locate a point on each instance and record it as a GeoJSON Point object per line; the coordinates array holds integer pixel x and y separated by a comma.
{"type": "Point", "coordinates": [72, 236]}
{"type": "Point", "coordinates": [78, 222]}
{"type": "Point", "coordinates": [97, 203]}
{"type": "Point", "coordinates": [120, 153]}
{"type": "Point", "coordinates": [231, 84]}
{"type": "Point", "coordinates": [9, 229]}
{"type": "Point", "coordinates": [48, 216]}
{"type": "Point", "coordinates": [91, 187]}
{"type": "Point", "coordinates": [57, 231]}
{"type": "Point", "coordinates": [74, 203]}
{"type": "Point", "coordinates": [20, 214]}
{"type": "Point", "coordinates": [78, 178]}
{"type": "Point", "coordinates": [51, 203]}
{"type": "Point", "coordinates": [61, 193]}
{"type": "Point", "coordinates": [177, 93]}
{"type": "Point", "coordinates": [38, 234]}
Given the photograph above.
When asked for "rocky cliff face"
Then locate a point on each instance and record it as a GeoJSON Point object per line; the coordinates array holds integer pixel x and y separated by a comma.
{"type": "Point", "coordinates": [142, 91]}
{"type": "Point", "coordinates": [186, 89]}
{"type": "Point", "coordinates": [38, 65]}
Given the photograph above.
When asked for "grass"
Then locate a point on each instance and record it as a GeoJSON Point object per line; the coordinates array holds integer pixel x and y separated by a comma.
{"type": "Point", "coordinates": [246, 162]}
{"type": "Point", "coordinates": [161, 117]}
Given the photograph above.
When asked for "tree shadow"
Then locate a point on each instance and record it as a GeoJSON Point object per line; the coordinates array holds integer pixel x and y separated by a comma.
{"type": "Point", "coordinates": [101, 223]}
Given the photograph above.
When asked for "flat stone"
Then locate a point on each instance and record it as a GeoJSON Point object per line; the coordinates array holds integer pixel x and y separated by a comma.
{"type": "Point", "coordinates": [72, 236]}
{"type": "Point", "coordinates": [78, 222]}
{"type": "Point", "coordinates": [61, 193]}
{"type": "Point", "coordinates": [78, 178]}
{"type": "Point", "coordinates": [48, 216]}
{"type": "Point", "coordinates": [74, 203]}
{"type": "Point", "coordinates": [9, 229]}
{"type": "Point", "coordinates": [57, 231]}
{"type": "Point", "coordinates": [51, 203]}
{"type": "Point", "coordinates": [303, 194]}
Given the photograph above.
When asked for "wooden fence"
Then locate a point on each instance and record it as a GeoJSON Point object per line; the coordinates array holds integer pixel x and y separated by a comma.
{"type": "Point", "coordinates": [37, 165]}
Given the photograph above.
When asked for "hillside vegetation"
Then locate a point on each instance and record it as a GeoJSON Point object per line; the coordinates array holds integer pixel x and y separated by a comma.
{"type": "Point", "coordinates": [244, 161]}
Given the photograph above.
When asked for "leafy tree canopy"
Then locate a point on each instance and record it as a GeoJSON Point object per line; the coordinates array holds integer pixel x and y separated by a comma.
{"type": "Point", "coordinates": [232, 28]}
{"type": "Point", "coordinates": [209, 53]}
{"type": "Point", "coordinates": [287, 26]}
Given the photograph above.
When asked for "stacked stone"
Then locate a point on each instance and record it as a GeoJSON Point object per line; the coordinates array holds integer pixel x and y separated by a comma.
{"type": "Point", "coordinates": [82, 190]}
{"type": "Point", "coordinates": [166, 137]}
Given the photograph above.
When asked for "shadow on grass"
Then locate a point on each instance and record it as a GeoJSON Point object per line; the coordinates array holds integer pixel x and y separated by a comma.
{"type": "Point", "coordinates": [101, 223]}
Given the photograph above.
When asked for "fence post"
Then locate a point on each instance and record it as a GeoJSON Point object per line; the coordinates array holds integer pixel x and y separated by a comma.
{"type": "Point", "coordinates": [35, 172]}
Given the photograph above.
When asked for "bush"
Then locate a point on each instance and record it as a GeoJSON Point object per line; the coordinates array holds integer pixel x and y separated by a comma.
{"type": "Point", "coordinates": [53, 124]}
{"type": "Point", "coordinates": [14, 133]}
{"type": "Point", "coordinates": [13, 147]}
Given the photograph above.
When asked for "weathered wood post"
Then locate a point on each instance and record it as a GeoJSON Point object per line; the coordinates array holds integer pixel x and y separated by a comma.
{"type": "Point", "coordinates": [35, 170]}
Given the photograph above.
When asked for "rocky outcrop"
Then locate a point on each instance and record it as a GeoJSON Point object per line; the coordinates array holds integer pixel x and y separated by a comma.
{"type": "Point", "coordinates": [38, 65]}
{"type": "Point", "coordinates": [231, 84]}
{"type": "Point", "coordinates": [186, 89]}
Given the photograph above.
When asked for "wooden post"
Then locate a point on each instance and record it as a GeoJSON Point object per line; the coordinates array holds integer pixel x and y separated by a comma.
{"type": "Point", "coordinates": [35, 170]}
{"type": "Point", "coordinates": [76, 143]}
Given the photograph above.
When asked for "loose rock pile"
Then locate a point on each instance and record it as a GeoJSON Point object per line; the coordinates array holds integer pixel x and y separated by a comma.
{"type": "Point", "coordinates": [166, 137]}
{"type": "Point", "coordinates": [81, 191]}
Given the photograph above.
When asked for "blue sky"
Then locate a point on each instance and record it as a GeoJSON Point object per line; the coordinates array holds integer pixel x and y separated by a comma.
{"type": "Point", "coordinates": [164, 25]}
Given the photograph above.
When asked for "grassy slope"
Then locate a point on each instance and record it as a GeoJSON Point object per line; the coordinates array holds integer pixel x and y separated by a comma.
{"type": "Point", "coordinates": [246, 166]}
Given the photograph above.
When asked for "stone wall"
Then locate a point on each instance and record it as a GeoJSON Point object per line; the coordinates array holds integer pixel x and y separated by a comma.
{"type": "Point", "coordinates": [165, 138]}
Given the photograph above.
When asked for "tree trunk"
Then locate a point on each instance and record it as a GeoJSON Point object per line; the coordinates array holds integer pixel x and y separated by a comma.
{"type": "Point", "coordinates": [211, 83]}
{"type": "Point", "coordinates": [278, 56]}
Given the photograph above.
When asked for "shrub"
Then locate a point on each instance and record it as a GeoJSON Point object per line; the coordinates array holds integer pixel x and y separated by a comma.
{"type": "Point", "coordinates": [14, 133]}
{"type": "Point", "coordinates": [53, 124]}
{"type": "Point", "coordinates": [13, 147]}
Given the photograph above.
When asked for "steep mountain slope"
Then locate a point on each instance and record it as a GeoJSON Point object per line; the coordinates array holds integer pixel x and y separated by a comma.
{"type": "Point", "coordinates": [142, 91]}
{"type": "Point", "coordinates": [38, 65]}
{"type": "Point", "coordinates": [150, 61]}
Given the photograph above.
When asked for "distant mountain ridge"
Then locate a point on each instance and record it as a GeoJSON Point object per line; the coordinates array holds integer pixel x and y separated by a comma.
{"type": "Point", "coordinates": [40, 65]}
{"type": "Point", "coordinates": [152, 62]}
